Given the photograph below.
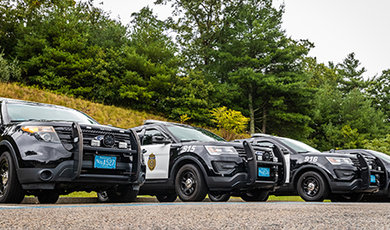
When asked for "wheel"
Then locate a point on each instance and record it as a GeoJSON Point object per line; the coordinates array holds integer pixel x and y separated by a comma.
{"type": "Point", "coordinates": [122, 194]}
{"type": "Point", "coordinates": [255, 195]}
{"type": "Point", "coordinates": [166, 197]}
{"type": "Point", "coordinates": [48, 197]}
{"type": "Point", "coordinates": [354, 197]}
{"type": "Point", "coordinates": [189, 184]}
{"type": "Point", "coordinates": [10, 189]}
{"type": "Point", "coordinates": [102, 196]}
{"type": "Point", "coordinates": [312, 186]}
{"type": "Point", "coordinates": [219, 197]}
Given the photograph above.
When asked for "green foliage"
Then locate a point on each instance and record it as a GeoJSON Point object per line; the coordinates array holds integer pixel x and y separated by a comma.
{"type": "Point", "coordinates": [351, 77]}
{"type": "Point", "coordinates": [344, 122]}
{"type": "Point", "coordinates": [379, 91]}
{"type": "Point", "coordinates": [230, 120]}
{"type": "Point", "coordinates": [227, 55]}
{"type": "Point", "coordinates": [9, 71]}
{"type": "Point", "coordinates": [184, 118]}
{"type": "Point", "coordinates": [379, 144]}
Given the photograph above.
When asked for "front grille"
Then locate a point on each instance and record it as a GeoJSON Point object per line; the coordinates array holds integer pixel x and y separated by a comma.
{"type": "Point", "coordinates": [241, 151]}
{"type": "Point", "coordinates": [264, 155]}
{"type": "Point", "coordinates": [90, 134]}
{"type": "Point", "coordinates": [65, 135]}
{"type": "Point", "coordinates": [356, 162]}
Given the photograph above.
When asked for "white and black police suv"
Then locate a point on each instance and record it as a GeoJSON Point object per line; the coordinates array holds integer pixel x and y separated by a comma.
{"type": "Point", "coordinates": [190, 162]}
{"type": "Point", "coordinates": [316, 176]}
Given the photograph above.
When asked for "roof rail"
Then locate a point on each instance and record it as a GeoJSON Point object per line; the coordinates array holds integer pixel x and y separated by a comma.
{"type": "Point", "coordinates": [260, 135]}
{"type": "Point", "coordinates": [149, 122]}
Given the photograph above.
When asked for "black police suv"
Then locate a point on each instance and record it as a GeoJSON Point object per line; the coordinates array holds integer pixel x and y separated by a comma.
{"type": "Point", "coordinates": [48, 150]}
{"type": "Point", "coordinates": [380, 169]}
{"type": "Point", "coordinates": [316, 176]}
{"type": "Point", "coordinates": [191, 162]}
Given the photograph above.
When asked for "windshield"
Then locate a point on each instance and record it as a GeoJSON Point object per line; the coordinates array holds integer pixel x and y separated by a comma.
{"type": "Point", "coordinates": [298, 146]}
{"type": "Point", "coordinates": [26, 112]}
{"type": "Point", "coordinates": [184, 133]}
{"type": "Point", "coordinates": [382, 156]}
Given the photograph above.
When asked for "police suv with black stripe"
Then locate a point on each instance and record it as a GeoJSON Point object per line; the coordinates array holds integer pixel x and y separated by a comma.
{"type": "Point", "coordinates": [316, 176]}
{"type": "Point", "coordinates": [190, 162]}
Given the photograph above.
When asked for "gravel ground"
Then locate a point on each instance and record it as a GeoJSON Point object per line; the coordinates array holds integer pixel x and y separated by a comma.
{"type": "Point", "coordinates": [231, 215]}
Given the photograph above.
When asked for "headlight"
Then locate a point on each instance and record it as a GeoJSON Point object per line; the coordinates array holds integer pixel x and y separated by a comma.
{"type": "Point", "coordinates": [218, 150]}
{"type": "Point", "coordinates": [339, 160]}
{"type": "Point", "coordinates": [43, 133]}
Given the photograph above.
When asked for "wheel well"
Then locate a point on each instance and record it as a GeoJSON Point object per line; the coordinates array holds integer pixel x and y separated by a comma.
{"type": "Point", "coordinates": [296, 177]}
{"type": "Point", "coordinates": [4, 148]}
{"type": "Point", "coordinates": [188, 161]}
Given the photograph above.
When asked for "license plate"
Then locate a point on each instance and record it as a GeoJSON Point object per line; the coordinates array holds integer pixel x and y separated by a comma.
{"type": "Point", "coordinates": [105, 162]}
{"type": "Point", "coordinates": [264, 172]}
{"type": "Point", "coordinates": [372, 179]}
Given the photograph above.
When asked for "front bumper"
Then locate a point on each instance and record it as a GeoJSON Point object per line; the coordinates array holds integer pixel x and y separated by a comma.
{"type": "Point", "coordinates": [78, 172]}
{"type": "Point", "coordinates": [63, 175]}
{"type": "Point", "coordinates": [359, 181]}
{"type": "Point", "coordinates": [247, 178]}
{"type": "Point", "coordinates": [355, 186]}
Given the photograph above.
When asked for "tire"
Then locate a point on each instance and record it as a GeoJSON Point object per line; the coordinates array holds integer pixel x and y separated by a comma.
{"type": "Point", "coordinates": [255, 195]}
{"type": "Point", "coordinates": [190, 184]}
{"type": "Point", "coordinates": [10, 189]}
{"type": "Point", "coordinates": [122, 194]}
{"type": "Point", "coordinates": [102, 197]}
{"type": "Point", "coordinates": [48, 197]}
{"type": "Point", "coordinates": [311, 186]}
{"type": "Point", "coordinates": [354, 197]}
{"type": "Point", "coordinates": [166, 197]}
{"type": "Point", "coordinates": [219, 197]}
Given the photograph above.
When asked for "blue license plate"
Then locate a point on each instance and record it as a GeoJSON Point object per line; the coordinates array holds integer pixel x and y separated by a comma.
{"type": "Point", "coordinates": [264, 172]}
{"type": "Point", "coordinates": [372, 179]}
{"type": "Point", "coordinates": [105, 162]}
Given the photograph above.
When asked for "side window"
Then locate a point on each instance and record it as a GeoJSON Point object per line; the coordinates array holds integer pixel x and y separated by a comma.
{"type": "Point", "coordinates": [148, 136]}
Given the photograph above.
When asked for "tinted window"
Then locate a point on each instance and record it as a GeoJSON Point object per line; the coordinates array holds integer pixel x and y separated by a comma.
{"type": "Point", "coordinates": [298, 146]}
{"type": "Point", "coordinates": [26, 112]}
{"type": "Point", "coordinates": [188, 133]}
{"type": "Point", "coordinates": [148, 136]}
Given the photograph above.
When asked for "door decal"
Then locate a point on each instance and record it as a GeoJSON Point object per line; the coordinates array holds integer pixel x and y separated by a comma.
{"type": "Point", "coordinates": [152, 162]}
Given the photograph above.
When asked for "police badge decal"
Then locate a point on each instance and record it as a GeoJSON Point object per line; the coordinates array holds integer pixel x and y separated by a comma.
{"type": "Point", "coordinates": [152, 162]}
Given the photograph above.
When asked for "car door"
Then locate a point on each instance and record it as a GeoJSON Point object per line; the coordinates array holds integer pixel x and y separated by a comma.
{"type": "Point", "coordinates": [156, 155]}
{"type": "Point", "coordinates": [286, 156]}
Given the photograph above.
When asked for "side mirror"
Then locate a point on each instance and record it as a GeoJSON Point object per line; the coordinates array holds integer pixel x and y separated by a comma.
{"type": "Point", "coordinates": [285, 151]}
{"type": "Point", "coordinates": [160, 140]}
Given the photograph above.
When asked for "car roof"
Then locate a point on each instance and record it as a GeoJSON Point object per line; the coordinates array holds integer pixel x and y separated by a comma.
{"type": "Point", "coordinates": [164, 123]}
{"type": "Point", "coordinates": [31, 103]}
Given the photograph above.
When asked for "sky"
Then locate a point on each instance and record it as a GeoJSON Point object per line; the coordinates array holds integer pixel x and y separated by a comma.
{"type": "Point", "coordinates": [336, 27]}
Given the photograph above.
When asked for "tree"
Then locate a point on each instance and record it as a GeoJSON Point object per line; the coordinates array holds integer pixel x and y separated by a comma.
{"type": "Point", "coordinates": [379, 90]}
{"type": "Point", "coordinates": [9, 71]}
{"type": "Point", "coordinates": [345, 121]}
{"type": "Point", "coordinates": [351, 75]}
{"type": "Point", "coordinates": [255, 54]}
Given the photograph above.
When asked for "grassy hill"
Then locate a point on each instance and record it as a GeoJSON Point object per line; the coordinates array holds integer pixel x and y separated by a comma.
{"type": "Point", "coordinates": [104, 114]}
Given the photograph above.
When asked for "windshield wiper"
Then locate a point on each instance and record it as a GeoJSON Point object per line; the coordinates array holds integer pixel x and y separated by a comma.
{"type": "Point", "coordinates": [302, 151]}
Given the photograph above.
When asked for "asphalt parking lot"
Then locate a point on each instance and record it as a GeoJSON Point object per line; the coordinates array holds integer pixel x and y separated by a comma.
{"type": "Point", "coordinates": [205, 215]}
